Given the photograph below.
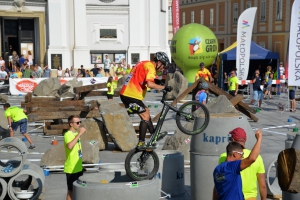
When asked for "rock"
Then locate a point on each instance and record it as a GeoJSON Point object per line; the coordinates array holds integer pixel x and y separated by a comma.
{"type": "Point", "coordinates": [47, 87]}
{"type": "Point", "coordinates": [118, 124]}
{"type": "Point", "coordinates": [66, 90]}
{"type": "Point", "coordinates": [95, 131]}
{"type": "Point", "coordinates": [3, 98]}
{"type": "Point", "coordinates": [179, 84]}
{"type": "Point", "coordinates": [57, 156]}
{"type": "Point", "coordinates": [221, 105]}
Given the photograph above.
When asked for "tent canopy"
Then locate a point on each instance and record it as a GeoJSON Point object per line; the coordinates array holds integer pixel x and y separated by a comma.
{"type": "Point", "coordinates": [256, 53]}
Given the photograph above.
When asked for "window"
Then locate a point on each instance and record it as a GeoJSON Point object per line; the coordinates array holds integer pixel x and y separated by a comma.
{"type": "Point", "coordinates": [170, 14]}
{"type": "Point", "coordinates": [248, 4]}
{"type": "Point", "coordinates": [108, 33]}
{"type": "Point", "coordinates": [279, 10]}
{"type": "Point", "coordinates": [202, 17]}
{"type": "Point", "coordinates": [211, 17]}
{"type": "Point", "coordinates": [183, 18]}
{"type": "Point", "coordinates": [192, 16]}
{"type": "Point", "coordinates": [235, 12]}
{"type": "Point", "coordinates": [263, 10]}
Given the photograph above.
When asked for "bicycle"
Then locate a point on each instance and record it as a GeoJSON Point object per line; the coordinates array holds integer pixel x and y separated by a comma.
{"type": "Point", "coordinates": [143, 163]}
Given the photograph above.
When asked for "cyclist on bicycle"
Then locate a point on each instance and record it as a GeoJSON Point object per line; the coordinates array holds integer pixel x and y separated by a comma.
{"type": "Point", "coordinates": [135, 88]}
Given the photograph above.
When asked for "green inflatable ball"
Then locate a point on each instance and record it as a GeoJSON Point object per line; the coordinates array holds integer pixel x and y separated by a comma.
{"type": "Point", "coordinates": [191, 45]}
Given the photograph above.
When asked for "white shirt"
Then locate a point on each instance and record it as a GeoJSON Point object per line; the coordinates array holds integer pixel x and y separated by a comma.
{"type": "Point", "coordinates": [106, 63]}
{"type": "Point", "coordinates": [2, 62]}
{"type": "Point", "coordinates": [59, 73]}
{"type": "Point", "coordinates": [3, 74]}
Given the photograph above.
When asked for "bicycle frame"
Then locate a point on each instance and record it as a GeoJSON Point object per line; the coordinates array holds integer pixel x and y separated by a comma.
{"type": "Point", "coordinates": [161, 119]}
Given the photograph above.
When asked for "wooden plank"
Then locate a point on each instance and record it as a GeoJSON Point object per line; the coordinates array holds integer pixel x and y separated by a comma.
{"type": "Point", "coordinates": [54, 132]}
{"type": "Point", "coordinates": [53, 104]}
{"type": "Point", "coordinates": [179, 98]}
{"type": "Point", "coordinates": [235, 100]}
{"type": "Point", "coordinates": [88, 88]}
{"type": "Point", "coordinates": [244, 111]}
{"type": "Point", "coordinates": [57, 109]}
{"type": "Point", "coordinates": [32, 117]}
{"type": "Point", "coordinates": [58, 126]}
{"type": "Point", "coordinates": [97, 93]}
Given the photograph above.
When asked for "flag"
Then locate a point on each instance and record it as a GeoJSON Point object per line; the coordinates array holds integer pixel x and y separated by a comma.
{"type": "Point", "coordinates": [175, 16]}
{"type": "Point", "coordinates": [294, 46]}
{"type": "Point", "coordinates": [286, 66]}
{"type": "Point", "coordinates": [244, 35]}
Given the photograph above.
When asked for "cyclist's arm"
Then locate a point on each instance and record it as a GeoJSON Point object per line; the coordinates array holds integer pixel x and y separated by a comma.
{"type": "Point", "coordinates": [153, 85]}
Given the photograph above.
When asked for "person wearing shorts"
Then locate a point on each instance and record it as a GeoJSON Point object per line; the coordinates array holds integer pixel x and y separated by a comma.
{"type": "Point", "coordinates": [73, 150]}
{"type": "Point", "coordinates": [135, 88]}
{"type": "Point", "coordinates": [292, 90]}
{"type": "Point", "coordinates": [15, 118]}
{"type": "Point", "coordinates": [257, 91]}
{"type": "Point", "coordinates": [106, 65]}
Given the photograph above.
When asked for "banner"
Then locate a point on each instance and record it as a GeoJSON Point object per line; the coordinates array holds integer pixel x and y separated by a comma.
{"type": "Point", "coordinates": [244, 35]}
{"type": "Point", "coordinates": [22, 86]}
{"type": "Point", "coordinates": [175, 16]}
{"type": "Point", "coordinates": [286, 66]}
{"type": "Point", "coordinates": [294, 46]}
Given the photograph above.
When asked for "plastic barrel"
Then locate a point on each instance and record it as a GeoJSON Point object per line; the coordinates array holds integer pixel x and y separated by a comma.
{"type": "Point", "coordinates": [113, 186]}
{"type": "Point", "coordinates": [3, 186]}
{"type": "Point", "coordinates": [30, 171]}
{"type": "Point", "coordinates": [18, 163]}
{"type": "Point", "coordinates": [171, 172]}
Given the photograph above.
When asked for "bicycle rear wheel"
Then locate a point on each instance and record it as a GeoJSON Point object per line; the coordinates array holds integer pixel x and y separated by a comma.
{"type": "Point", "coordinates": [141, 164]}
{"type": "Point", "coordinates": [192, 118]}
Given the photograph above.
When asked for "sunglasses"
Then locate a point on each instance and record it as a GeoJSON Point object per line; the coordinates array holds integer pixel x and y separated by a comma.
{"type": "Point", "coordinates": [241, 153]}
{"type": "Point", "coordinates": [77, 122]}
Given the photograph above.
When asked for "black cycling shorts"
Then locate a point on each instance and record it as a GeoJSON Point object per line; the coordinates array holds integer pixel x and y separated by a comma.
{"type": "Point", "coordinates": [128, 100]}
{"type": "Point", "coordinates": [71, 178]}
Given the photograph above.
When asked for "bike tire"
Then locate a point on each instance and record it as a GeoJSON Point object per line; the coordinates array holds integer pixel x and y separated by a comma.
{"type": "Point", "coordinates": [187, 108]}
{"type": "Point", "coordinates": [132, 164]}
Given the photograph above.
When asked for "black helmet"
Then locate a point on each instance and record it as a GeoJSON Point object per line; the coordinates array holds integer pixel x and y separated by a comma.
{"type": "Point", "coordinates": [203, 86]}
{"type": "Point", "coordinates": [162, 57]}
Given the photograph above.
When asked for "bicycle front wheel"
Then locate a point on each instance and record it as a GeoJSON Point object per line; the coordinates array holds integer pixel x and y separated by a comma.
{"type": "Point", "coordinates": [192, 118]}
{"type": "Point", "coordinates": [141, 164]}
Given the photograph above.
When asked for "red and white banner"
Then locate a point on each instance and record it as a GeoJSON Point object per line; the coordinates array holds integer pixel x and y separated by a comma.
{"type": "Point", "coordinates": [175, 16]}
{"type": "Point", "coordinates": [244, 34]}
{"type": "Point", "coordinates": [294, 46]}
{"type": "Point", "coordinates": [22, 86]}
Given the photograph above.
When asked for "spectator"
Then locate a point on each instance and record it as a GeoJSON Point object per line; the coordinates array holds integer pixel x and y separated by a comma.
{"type": "Point", "coordinates": [114, 67]}
{"type": "Point", "coordinates": [16, 117]}
{"type": "Point", "coordinates": [292, 90]}
{"type": "Point", "coordinates": [34, 73]}
{"type": "Point", "coordinates": [73, 149]}
{"type": "Point", "coordinates": [203, 72]}
{"type": "Point", "coordinates": [214, 73]}
{"type": "Point", "coordinates": [233, 84]}
{"type": "Point", "coordinates": [268, 84]}
{"type": "Point", "coordinates": [15, 58]}
{"type": "Point", "coordinates": [99, 74]}
{"type": "Point", "coordinates": [119, 71]}
{"type": "Point", "coordinates": [13, 74]}
{"type": "Point", "coordinates": [72, 72]}
{"type": "Point", "coordinates": [106, 65]}
{"type": "Point", "coordinates": [201, 96]}
{"type": "Point", "coordinates": [39, 70]}
{"type": "Point", "coordinates": [29, 57]}
{"type": "Point", "coordinates": [227, 178]}
{"type": "Point", "coordinates": [79, 74]}
{"type": "Point", "coordinates": [21, 60]}
{"type": "Point", "coordinates": [27, 71]}
{"type": "Point", "coordinates": [67, 73]}
{"type": "Point", "coordinates": [22, 69]}
{"type": "Point", "coordinates": [110, 88]}
{"type": "Point", "coordinates": [19, 73]}
{"type": "Point", "coordinates": [87, 73]}
{"type": "Point", "coordinates": [2, 62]}
{"type": "Point", "coordinates": [82, 70]}
{"type": "Point", "coordinates": [59, 72]}
{"type": "Point", "coordinates": [3, 74]}
{"type": "Point", "coordinates": [256, 171]}
{"type": "Point", "coordinates": [128, 69]}
{"type": "Point", "coordinates": [225, 82]}
{"type": "Point", "coordinates": [257, 92]}
{"type": "Point", "coordinates": [281, 69]}
{"type": "Point", "coordinates": [47, 72]}
{"type": "Point", "coordinates": [95, 70]}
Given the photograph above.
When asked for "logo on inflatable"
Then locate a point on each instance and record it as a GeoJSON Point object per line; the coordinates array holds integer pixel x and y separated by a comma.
{"type": "Point", "coordinates": [26, 86]}
{"type": "Point", "coordinates": [195, 46]}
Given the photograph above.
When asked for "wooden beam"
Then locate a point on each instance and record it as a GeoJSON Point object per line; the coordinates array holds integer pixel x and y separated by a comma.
{"type": "Point", "coordinates": [57, 109]}
{"type": "Point", "coordinates": [235, 100]}
{"type": "Point", "coordinates": [244, 111]}
{"type": "Point", "coordinates": [54, 132]}
{"type": "Point", "coordinates": [88, 88]}
{"type": "Point", "coordinates": [53, 104]}
{"type": "Point", "coordinates": [32, 117]}
{"type": "Point", "coordinates": [100, 93]}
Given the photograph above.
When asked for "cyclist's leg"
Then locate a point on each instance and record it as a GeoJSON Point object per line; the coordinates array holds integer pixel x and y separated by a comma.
{"type": "Point", "coordinates": [144, 124]}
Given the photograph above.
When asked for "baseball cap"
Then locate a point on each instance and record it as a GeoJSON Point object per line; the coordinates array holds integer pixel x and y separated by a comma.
{"type": "Point", "coordinates": [281, 63]}
{"type": "Point", "coordinates": [238, 134]}
{"type": "Point", "coordinates": [201, 64]}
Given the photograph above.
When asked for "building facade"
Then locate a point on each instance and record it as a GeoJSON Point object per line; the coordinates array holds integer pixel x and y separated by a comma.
{"type": "Point", "coordinates": [82, 32]}
{"type": "Point", "coordinates": [271, 28]}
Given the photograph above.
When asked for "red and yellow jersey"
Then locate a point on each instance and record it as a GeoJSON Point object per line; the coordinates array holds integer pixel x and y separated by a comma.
{"type": "Point", "coordinates": [205, 74]}
{"type": "Point", "coordinates": [135, 83]}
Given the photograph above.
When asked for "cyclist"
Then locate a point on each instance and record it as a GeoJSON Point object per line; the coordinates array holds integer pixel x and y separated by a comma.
{"type": "Point", "coordinates": [201, 95]}
{"type": "Point", "coordinates": [135, 88]}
